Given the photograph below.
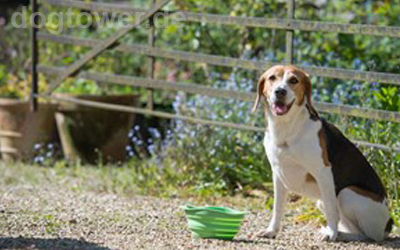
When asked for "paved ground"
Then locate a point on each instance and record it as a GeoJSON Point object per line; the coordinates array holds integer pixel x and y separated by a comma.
{"type": "Point", "coordinates": [49, 217]}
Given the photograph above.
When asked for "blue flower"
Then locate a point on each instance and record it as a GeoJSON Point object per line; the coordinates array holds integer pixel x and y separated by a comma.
{"type": "Point", "coordinates": [154, 132]}
{"type": "Point", "coordinates": [39, 159]}
{"type": "Point", "coordinates": [151, 149]}
{"type": "Point", "coordinates": [357, 63]}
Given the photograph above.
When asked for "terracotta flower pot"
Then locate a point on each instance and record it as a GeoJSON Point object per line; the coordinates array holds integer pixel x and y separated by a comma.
{"type": "Point", "coordinates": [21, 129]}
{"type": "Point", "coordinates": [92, 134]}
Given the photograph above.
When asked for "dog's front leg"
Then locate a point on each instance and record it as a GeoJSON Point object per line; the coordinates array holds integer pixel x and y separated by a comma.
{"type": "Point", "coordinates": [280, 193]}
{"type": "Point", "coordinates": [328, 196]}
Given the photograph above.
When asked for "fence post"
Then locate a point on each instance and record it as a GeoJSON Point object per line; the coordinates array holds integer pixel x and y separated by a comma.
{"type": "Point", "coordinates": [150, 60]}
{"type": "Point", "coordinates": [289, 33]}
{"type": "Point", "coordinates": [35, 58]}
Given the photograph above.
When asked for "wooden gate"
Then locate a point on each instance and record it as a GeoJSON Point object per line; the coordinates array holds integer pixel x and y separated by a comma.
{"type": "Point", "coordinates": [289, 25]}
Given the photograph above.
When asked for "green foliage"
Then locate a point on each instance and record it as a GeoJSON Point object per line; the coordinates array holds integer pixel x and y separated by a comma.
{"type": "Point", "coordinates": [14, 58]}
{"type": "Point", "coordinates": [80, 86]}
{"type": "Point", "coordinates": [221, 160]}
{"type": "Point", "coordinates": [3, 75]}
{"type": "Point", "coordinates": [388, 98]}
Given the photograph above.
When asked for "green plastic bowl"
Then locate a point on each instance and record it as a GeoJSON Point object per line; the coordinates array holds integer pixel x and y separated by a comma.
{"type": "Point", "coordinates": [214, 222]}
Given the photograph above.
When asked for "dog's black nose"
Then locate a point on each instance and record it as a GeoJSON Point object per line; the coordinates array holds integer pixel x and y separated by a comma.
{"type": "Point", "coordinates": [280, 92]}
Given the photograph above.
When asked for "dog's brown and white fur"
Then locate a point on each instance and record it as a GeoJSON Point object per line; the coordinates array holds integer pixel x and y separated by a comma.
{"type": "Point", "coordinates": [311, 157]}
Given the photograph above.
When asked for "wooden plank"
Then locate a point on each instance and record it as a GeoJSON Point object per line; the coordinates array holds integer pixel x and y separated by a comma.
{"type": "Point", "coordinates": [35, 58]}
{"type": "Point", "coordinates": [150, 61]}
{"type": "Point", "coordinates": [221, 93]}
{"type": "Point", "coordinates": [110, 41]}
{"type": "Point", "coordinates": [272, 23]}
{"type": "Point", "coordinates": [346, 74]}
{"type": "Point", "coordinates": [145, 111]}
{"type": "Point", "coordinates": [7, 133]}
{"type": "Point", "coordinates": [189, 119]}
{"type": "Point", "coordinates": [289, 33]}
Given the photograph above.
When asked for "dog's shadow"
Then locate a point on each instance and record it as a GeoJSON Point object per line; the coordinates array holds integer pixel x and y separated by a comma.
{"type": "Point", "coordinates": [48, 244]}
{"type": "Point", "coordinates": [248, 241]}
{"type": "Point", "coordinates": [390, 243]}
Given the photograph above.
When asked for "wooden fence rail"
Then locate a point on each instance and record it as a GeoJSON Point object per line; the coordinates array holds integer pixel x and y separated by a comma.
{"type": "Point", "coordinates": [227, 61]}
{"type": "Point", "coordinates": [261, 22]}
{"type": "Point", "coordinates": [189, 119]}
{"type": "Point", "coordinates": [221, 93]}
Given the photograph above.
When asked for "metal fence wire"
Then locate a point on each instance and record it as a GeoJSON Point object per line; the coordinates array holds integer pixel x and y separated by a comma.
{"type": "Point", "coordinates": [289, 24]}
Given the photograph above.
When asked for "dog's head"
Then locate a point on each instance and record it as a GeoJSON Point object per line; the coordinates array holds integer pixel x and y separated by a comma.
{"type": "Point", "coordinates": [282, 87]}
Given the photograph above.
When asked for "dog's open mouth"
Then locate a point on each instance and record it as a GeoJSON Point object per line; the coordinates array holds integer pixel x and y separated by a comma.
{"type": "Point", "coordinates": [281, 108]}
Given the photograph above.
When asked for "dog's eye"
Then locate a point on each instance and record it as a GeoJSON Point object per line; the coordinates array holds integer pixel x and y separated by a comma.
{"type": "Point", "coordinates": [272, 78]}
{"type": "Point", "coordinates": [293, 80]}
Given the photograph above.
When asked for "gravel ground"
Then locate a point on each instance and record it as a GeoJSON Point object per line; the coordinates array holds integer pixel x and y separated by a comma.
{"type": "Point", "coordinates": [35, 217]}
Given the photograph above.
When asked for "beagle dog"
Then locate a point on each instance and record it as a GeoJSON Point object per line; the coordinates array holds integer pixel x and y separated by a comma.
{"type": "Point", "coordinates": [311, 157]}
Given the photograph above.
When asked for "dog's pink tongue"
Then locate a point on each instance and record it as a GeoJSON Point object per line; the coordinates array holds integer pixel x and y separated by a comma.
{"type": "Point", "coordinates": [279, 108]}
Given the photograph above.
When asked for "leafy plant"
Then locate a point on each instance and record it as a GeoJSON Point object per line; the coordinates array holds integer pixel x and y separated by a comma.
{"type": "Point", "coordinates": [11, 86]}
{"type": "Point", "coordinates": [388, 98]}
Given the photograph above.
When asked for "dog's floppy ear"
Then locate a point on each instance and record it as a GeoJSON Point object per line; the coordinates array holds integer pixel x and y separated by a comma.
{"type": "Point", "coordinates": [307, 87]}
{"type": "Point", "coordinates": [260, 90]}
{"type": "Point", "coordinates": [307, 94]}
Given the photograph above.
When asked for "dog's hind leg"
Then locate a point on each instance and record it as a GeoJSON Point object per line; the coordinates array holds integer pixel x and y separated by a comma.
{"type": "Point", "coordinates": [346, 230]}
{"type": "Point", "coordinates": [362, 216]}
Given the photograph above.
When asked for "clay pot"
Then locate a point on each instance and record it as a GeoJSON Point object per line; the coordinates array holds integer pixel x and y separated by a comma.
{"type": "Point", "coordinates": [92, 134]}
{"type": "Point", "coordinates": [21, 129]}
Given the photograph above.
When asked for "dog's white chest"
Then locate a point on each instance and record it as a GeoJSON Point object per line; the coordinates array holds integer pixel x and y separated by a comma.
{"type": "Point", "coordinates": [287, 163]}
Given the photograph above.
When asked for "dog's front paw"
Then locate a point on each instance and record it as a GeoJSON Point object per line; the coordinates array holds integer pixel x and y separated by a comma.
{"type": "Point", "coordinates": [267, 233]}
{"type": "Point", "coordinates": [327, 234]}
